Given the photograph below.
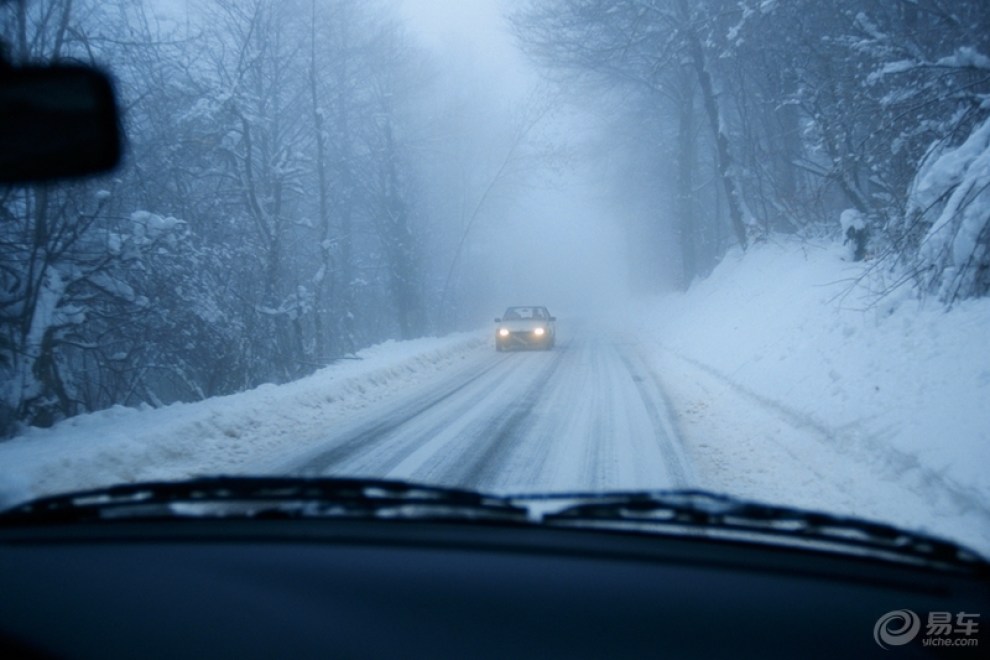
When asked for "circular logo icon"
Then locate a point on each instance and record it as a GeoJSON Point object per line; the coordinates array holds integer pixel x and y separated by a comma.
{"type": "Point", "coordinates": [896, 628]}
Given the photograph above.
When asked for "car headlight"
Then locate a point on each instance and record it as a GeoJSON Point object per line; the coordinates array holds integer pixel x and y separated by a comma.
{"type": "Point", "coordinates": [503, 332]}
{"type": "Point", "coordinates": [539, 332]}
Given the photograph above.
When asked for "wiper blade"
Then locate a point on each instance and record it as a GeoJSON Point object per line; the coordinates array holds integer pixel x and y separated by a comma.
{"type": "Point", "coordinates": [675, 512]}
{"type": "Point", "coordinates": [266, 497]}
{"type": "Point", "coordinates": [710, 514]}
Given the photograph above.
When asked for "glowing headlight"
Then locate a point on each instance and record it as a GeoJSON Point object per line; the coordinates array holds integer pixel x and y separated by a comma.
{"type": "Point", "coordinates": [503, 332]}
{"type": "Point", "coordinates": [539, 332]}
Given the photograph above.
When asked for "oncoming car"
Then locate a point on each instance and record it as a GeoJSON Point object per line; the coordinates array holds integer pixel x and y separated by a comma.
{"type": "Point", "coordinates": [525, 327]}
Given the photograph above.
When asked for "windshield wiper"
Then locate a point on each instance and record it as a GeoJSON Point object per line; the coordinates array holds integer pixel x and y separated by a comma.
{"type": "Point", "coordinates": [671, 512]}
{"type": "Point", "coordinates": [713, 515]}
{"type": "Point", "coordinates": [266, 497]}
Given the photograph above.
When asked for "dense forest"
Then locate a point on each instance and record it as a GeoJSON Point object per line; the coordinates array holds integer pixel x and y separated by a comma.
{"type": "Point", "coordinates": [284, 178]}
{"type": "Point", "coordinates": [298, 184]}
{"type": "Point", "coordinates": [759, 116]}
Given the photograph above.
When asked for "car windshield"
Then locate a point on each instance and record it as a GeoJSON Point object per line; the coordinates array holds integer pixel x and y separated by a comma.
{"type": "Point", "coordinates": [761, 231]}
{"type": "Point", "coordinates": [523, 313]}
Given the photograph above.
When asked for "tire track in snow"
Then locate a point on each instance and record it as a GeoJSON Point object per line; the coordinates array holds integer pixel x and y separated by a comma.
{"type": "Point", "coordinates": [657, 405]}
{"type": "Point", "coordinates": [368, 436]}
{"type": "Point", "coordinates": [599, 466]}
{"type": "Point", "coordinates": [586, 415]}
{"type": "Point", "coordinates": [505, 432]}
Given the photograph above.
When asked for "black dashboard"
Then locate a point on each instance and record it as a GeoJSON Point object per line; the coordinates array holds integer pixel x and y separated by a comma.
{"type": "Point", "coordinates": [377, 589]}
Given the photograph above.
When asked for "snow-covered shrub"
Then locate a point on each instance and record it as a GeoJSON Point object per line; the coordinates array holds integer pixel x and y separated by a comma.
{"type": "Point", "coordinates": [951, 197]}
{"type": "Point", "coordinates": [854, 234]}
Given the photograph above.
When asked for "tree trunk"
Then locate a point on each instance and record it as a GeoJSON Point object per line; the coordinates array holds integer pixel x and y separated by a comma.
{"type": "Point", "coordinates": [687, 225]}
{"type": "Point", "coordinates": [698, 61]}
{"type": "Point", "coordinates": [326, 266]}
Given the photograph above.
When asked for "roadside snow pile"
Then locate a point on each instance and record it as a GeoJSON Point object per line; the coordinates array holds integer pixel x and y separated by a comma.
{"type": "Point", "coordinates": [227, 434]}
{"type": "Point", "coordinates": [804, 388]}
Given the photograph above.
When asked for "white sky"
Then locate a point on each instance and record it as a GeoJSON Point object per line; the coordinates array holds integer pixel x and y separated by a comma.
{"type": "Point", "coordinates": [565, 249]}
{"type": "Point", "coordinates": [472, 31]}
{"type": "Point", "coordinates": [465, 22]}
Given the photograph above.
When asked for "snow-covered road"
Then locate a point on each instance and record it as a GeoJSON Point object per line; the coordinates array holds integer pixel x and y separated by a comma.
{"type": "Point", "coordinates": [587, 415]}
{"type": "Point", "coordinates": [785, 399]}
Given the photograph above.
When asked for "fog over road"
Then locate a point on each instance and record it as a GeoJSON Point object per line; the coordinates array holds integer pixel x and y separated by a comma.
{"type": "Point", "coordinates": [588, 414]}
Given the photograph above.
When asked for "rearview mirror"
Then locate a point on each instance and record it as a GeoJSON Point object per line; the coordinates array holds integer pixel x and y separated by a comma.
{"type": "Point", "coordinates": [56, 122]}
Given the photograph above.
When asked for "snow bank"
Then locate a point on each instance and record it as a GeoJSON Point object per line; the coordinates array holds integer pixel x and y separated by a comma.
{"type": "Point", "coordinates": [888, 401]}
{"type": "Point", "coordinates": [244, 432]}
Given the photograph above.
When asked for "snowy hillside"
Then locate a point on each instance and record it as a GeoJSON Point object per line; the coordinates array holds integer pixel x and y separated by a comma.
{"type": "Point", "coordinates": [798, 385]}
